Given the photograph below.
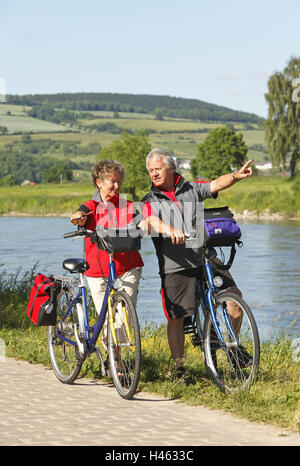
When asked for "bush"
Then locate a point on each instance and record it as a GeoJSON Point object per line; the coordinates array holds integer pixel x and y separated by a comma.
{"type": "Point", "coordinates": [14, 296]}
{"type": "Point", "coordinates": [8, 180]}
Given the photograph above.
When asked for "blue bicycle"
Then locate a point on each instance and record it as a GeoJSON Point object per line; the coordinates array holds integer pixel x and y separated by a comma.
{"type": "Point", "coordinates": [74, 337]}
{"type": "Point", "coordinates": [225, 330]}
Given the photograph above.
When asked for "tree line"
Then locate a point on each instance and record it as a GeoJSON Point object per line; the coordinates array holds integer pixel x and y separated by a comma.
{"type": "Point", "coordinates": [163, 106]}
{"type": "Point", "coordinates": [222, 151]}
{"type": "Point", "coordinates": [37, 160]}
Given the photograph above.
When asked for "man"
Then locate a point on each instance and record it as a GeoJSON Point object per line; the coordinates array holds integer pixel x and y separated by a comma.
{"type": "Point", "coordinates": [171, 207]}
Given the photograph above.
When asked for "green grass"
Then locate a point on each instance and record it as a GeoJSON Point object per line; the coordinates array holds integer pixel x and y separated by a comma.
{"type": "Point", "coordinates": [275, 193]}
{"type": "Point", "coordinates": [144, 122]}
{"type": "Point", "coordinates": [44, 199]}
{"type": "Point", "coordinates": [25, 124]}
{"type": "Point", "coordinates": [15, 110]}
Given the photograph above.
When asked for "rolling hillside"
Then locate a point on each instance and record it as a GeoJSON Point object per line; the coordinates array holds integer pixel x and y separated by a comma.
{"type": "Point", "coordinates": [166, 106]}
{"type": "Point", "coordinates": [59, 129]}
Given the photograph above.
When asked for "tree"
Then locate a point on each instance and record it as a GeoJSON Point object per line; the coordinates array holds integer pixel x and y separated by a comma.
{"type": "Point", "coordinates": [131, 151]}
{"type": "Point", "coordinates": [282, 125]}
{"type": "Point", "coordinates": [8, 180]}
{"type": "Point", "coordinates": [58, 172]}
{"type": "Point", "coordinates": [23, 167]}
{"type": "Point", "coordinates": [222, 151]}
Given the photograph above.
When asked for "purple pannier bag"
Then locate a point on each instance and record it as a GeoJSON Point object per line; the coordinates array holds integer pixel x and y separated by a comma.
{"type": "Point", "coordinates": [220, 228]}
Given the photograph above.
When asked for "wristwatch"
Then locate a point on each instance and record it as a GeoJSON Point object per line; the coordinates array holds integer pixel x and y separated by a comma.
{"type": "Point", "coordinates": [233, 175]}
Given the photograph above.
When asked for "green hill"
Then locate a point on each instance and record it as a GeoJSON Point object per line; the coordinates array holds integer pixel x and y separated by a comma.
{"type": "Point", "coordinates": [38, 131]}
{"type": "Point", "coordinates": [162, 106]}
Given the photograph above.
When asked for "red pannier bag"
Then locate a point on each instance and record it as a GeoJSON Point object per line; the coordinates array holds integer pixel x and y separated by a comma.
{"type": "Point", "coordinates": [41, 308]}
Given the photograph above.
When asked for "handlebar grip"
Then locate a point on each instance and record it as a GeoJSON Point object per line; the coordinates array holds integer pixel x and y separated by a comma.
{"type": "Point", "coordinates": [71, 234]}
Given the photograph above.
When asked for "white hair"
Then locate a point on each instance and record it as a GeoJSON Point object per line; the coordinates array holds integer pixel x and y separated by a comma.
{"type": "Point", "coordinates": [160, 154]}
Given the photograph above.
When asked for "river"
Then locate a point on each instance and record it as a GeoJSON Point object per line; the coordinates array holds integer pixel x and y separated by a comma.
{"type": "Point", "coordinates": [266, 268]}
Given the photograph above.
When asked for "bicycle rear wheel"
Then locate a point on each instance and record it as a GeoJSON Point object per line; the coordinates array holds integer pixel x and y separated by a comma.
{"type": "Point", "coordinates": [125, 352]}
{"type": "Point", "coordinates": [64, 356]}
{"type": "Point", "coordinates": [233, 366]}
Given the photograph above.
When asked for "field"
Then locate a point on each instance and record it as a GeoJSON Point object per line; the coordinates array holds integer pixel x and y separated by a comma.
{"type": "Point", "coordinates": [15, 119]}
{"type": "Point", "coordinates": [175, 135]}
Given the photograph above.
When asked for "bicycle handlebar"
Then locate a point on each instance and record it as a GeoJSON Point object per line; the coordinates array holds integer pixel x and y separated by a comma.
{"type": "Point", "coordinates": [80, 232]}
{"type": "Point", "coordinates": [190, 236]}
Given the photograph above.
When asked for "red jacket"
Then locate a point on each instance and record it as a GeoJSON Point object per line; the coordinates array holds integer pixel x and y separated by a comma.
{"type": "Point", "coordinates": [118, 213]}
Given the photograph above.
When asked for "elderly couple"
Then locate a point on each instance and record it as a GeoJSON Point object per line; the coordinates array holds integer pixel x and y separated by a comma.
{"type": "Point", "coordinates": [177, 263]}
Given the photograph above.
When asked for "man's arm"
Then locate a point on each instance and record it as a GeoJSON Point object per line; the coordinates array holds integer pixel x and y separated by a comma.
{"type": "Point", "coordinates": [226, 181]}
{"type": "Point", "coordinates": [153, 223]}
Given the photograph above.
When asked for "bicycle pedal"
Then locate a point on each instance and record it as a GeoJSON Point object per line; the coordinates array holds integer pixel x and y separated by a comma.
{"type": "Point", "coordinates": [188, 328]}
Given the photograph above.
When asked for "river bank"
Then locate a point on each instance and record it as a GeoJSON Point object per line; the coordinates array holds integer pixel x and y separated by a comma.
{"type": "Point", "coordinates": [265, 216]}
{"type": "Point", "coordinates": [257, 199]}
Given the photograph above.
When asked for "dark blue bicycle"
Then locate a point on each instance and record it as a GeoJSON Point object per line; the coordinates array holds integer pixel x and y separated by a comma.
{"type": "Point", "coordinates": [225, 330]}
{"type": "Point", "coordinates": [74, 337]}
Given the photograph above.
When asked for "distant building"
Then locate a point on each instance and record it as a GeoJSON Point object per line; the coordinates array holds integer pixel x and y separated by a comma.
{"type": "Point", "coordinates": [185, 164]}
{"type": "Point", "coordinates": [28, 183]}
{"type": "Point", "coordinates": [264, 166]}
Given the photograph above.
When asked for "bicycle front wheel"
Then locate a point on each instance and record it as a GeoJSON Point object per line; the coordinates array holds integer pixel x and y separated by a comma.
{"type": "Point", "coordinates": [124, 345]}
{"type": "Point", "coordinates": [232, 366]}
{"type": "Point", "coordinates": [63, 351]}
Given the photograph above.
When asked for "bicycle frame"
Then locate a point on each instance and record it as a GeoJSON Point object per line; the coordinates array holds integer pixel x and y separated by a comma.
{"type": "Point", "coordinates": [208, 297]}
{"type": "Point", "coordinates": [85, 328]}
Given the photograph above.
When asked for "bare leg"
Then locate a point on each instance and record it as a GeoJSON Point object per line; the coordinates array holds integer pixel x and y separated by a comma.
{"type": "Point", "coordinates": [234, 311]}
{"type": "Point", "coordinates": [176, 340]}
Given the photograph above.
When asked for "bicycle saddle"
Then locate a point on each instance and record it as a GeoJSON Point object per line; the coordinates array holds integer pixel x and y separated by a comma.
{"type": "Point", "coordinates": [75, 265]}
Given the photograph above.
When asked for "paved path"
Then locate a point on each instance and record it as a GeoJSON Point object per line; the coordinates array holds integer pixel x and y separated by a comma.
{"type": "Point", "coordinates": [36, 409]}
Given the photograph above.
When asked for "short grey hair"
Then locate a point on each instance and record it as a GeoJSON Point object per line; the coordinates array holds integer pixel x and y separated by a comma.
{"type": "Point", "coordinates": [160, 154]}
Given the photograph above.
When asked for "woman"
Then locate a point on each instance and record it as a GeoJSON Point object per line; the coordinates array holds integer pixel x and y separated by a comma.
{"type": "Point", "coordinates": [108, 210]}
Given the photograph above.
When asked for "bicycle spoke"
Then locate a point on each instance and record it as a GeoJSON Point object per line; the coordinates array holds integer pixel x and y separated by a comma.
{"type": "Point", "coordinates": [65, 359]}
{"type": "Point", "coordinates": [232, 364]}
{"type": "Point", "coordinates": [124, 357]}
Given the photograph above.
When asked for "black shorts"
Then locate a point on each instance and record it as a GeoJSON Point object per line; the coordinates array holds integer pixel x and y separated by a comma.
{"type": "Point", "coordinates": [178, 291]}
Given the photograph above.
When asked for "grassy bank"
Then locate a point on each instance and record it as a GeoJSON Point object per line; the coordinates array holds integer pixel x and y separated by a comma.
{"type": "Point", "coordinates": [275, 193]}
{"type": "Point", "coordinates": [274, 398]}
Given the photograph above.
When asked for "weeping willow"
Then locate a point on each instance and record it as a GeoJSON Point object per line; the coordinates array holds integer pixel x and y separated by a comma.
{"type": "Point", "coordinates": [282, 125]}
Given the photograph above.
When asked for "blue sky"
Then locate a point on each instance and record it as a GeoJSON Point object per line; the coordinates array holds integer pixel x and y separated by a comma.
{"type": "Point", "coordinates": [217, 51]}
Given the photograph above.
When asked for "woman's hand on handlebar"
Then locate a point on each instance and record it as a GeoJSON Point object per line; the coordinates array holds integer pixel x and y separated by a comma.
{"type": "Point", "coordinates": [79, 218]}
